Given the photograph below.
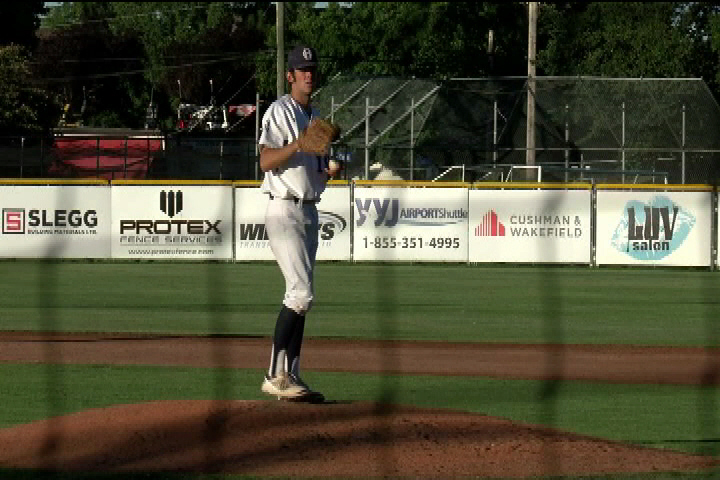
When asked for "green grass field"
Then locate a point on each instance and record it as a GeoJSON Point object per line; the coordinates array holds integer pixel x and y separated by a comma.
{"type": "Point", "coordinates": [511, 304]}
{"type": "Point", "coordinates": [514, 304]}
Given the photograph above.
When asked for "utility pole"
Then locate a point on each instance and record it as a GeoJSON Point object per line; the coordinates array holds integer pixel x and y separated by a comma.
{"type": "Point", "coordinates": [532, 42]}
{"type": "Point", "coordinates": [279, 26]}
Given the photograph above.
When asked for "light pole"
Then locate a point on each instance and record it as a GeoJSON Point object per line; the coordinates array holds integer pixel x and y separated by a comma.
{"type": "Point", "coordinates": [279, 26]}
{"type": "Point", "coordinates": [532, 42]}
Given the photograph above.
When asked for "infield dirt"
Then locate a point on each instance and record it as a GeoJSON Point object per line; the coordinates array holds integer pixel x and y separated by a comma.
{"type": "Point", "coordinates": [339, 439]}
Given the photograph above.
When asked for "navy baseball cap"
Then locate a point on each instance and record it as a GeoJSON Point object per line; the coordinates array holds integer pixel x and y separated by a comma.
{"type": "Point", "coordinates": [301, 57]}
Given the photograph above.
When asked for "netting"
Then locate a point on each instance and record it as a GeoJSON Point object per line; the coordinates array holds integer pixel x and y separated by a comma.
{"type": "Point", "coordinates": [657, 130]}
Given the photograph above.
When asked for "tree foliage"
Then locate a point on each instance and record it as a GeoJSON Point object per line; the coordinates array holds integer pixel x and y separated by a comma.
{"type": "Point", "coordinates": [424, 39]}
{"type": "Point", "coordinates": [20, 22]}
{"type": "Point", "coordinates": [623, 39]}
{"type": "Point", "coordinates": [167, 52]}
{"type": "Point", "coordinates": [24, 107]}
{"type": "Point", "coordinates": [116, 57]}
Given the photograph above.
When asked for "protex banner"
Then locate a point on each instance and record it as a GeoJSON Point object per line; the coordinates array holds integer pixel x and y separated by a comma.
{"type": "Point", "coordinates": [543, 226]}
{"type": "Point", "coordinates": [251, 239]}
{"type": "Point", "coordinates": [172, 221]}
{"type": "Point", "coordinates": [654, 228]}
{"type": "Point", "coordinates": [58, 221]}
{"type": "Point", "coordinates": [415, 224]}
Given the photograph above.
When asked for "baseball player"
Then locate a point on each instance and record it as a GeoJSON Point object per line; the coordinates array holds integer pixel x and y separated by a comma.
{"type": "Point", "coordinates": [294, 180]}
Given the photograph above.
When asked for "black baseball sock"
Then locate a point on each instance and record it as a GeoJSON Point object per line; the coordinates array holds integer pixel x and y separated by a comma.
{"type": "Point", "coordinates": [293, 352]}
{"type": "Point", "coordinates": [284, 328]}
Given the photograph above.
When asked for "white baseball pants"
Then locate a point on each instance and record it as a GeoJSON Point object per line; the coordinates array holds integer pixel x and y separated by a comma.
{"type": "Point", "coordinates": [293, 232]}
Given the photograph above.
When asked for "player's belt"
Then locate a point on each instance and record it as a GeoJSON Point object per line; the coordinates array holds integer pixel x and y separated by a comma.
{"type": "Point", "coordinates": [296, 200]}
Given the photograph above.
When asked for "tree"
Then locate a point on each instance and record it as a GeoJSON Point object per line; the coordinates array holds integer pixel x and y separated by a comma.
{"type": "Point", "coordinates": [96, 75]}
{"type": "Point", "coordinates": [20, 21]}
{"type": "Point", "coordinates": [424, 39]}
{"type": "Point", "coordinates": [127, 53]}
{"type": "Point", "coordinates": [188, 44]}
{"type": "Point", "coordinates": [24, 107]}
{"type": "Point", "coordinates": [613, 39]}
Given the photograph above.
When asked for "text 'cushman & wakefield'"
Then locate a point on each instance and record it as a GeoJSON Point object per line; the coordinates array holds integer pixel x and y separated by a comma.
{"type": "Point", "coordinates": [545, 226]}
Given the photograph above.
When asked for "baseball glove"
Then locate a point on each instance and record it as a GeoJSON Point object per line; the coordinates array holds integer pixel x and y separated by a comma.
{"type": "Point", "coordinates": [318, 136]}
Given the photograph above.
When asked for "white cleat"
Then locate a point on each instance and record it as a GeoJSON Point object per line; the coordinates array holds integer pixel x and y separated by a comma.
{"type": "Point", "coordinates": [282, 386]}
{"type": "Point", "coordinates": [310, 396]}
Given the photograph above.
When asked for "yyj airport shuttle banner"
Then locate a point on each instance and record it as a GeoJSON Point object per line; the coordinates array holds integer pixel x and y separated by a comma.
{"type": "Point", "coordinates": [410, 224]}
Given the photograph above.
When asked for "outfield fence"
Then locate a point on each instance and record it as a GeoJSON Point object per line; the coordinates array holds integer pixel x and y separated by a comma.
{"type": "Point", "coordinates": [592, 224]}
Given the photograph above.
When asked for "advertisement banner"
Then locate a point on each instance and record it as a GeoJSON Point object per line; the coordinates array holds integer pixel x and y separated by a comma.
{"type": "Point", "coordinates": [190, 222]}
{"type": "Point", "coordinates": [251, 240]}
{"type": "Point", "coordinates": [653, 228]}
{"type": "Point", "coordinates": [410, 224]}
{"type": "Point", "coordinates": [55, 221]}
{"type": "Point", "coordinates": [533, 226]}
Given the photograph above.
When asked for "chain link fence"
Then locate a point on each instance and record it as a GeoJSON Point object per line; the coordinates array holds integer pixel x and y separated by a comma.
{"type": "Point", "coordinates": [586, 129]}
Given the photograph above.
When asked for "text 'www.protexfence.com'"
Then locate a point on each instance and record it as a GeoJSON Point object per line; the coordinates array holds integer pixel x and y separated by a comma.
{"type": "Point", "coordinates": [171, 251]}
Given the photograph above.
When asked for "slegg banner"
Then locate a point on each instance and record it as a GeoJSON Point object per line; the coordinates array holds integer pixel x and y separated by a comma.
{"type": "Point", "coordinates": [172, 222]}
{"type": "Point", "coordinates": [251, 239]}
{"type": "Point", "coordinates": [543, 226]}
{"type": "Point", "coordinates": [654, 228]}
{"type": "Point", "coordinates": [55, 221]}
{"type": "Point", "coordinates": [410, 224]}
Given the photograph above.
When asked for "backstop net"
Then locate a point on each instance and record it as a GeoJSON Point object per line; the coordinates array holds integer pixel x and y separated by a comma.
{"type": "Point", "coordinates": [585, 129]}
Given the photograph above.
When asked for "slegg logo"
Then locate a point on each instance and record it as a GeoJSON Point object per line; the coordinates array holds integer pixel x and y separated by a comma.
{"type": "Point", "coordinates": [389, 213]}
{"type": "Point", "coordinates": [652, 231]}
{"type": "Point", "coordinates": [171, 204]}
{"type": "Point", "coordinates": [42, 220]}
{"type": "Point", "coordinates": [13, 220]}
{"type": "Point", "coordinates": [330, 224]}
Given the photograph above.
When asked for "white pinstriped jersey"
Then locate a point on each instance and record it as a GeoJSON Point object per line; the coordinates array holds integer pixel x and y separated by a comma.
{"type": "Point", "coordinates": [303, 176]}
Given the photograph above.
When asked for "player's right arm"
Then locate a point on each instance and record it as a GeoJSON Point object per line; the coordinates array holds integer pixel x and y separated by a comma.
{"type": "Point", "coordinates": [274, 144]}
{"type": "Point", "coordinates": [271, 158]}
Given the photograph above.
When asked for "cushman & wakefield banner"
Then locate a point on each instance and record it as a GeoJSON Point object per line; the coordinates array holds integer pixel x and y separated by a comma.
{"type": "Point", "coordinates": [55, 221]}
{"type": "Point", "coordinates": [654, 228]}
{"type": "Point", "coordinates": [534, 226]}
{"type": "Point", "coordinates": [251, 240]}
{"type": "Point", "coordinates": [172, 221]}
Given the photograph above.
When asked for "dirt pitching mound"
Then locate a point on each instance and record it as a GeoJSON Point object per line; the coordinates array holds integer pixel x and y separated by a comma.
{"type": "Point", "coordinates": [340, 440]}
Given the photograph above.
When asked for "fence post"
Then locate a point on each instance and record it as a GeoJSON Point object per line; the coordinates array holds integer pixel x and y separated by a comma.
{"type": "Point", "coordinates": [22, 155]}
{"type": "Point", "coordinates": [125, 159]}
{"type": "Point", "coordinates": [412, 137]}
{"type": "Point", "coordinates": [257, 136]}
{"type": "Point", "coordinates": [495, 149]}
{"type": "Point", "coordinates": [42, 156]}
{"type": "Point", "coordinates": [623, 142]}
{"type": "Point", "coordinates": [367, 138]}
{"type": "Point", "coordinates": [682, 153]}
{"type": "Point", "coordinates": [222, 144]}
{"type": "Point", "coordinates": [567, 144]}
{"type": "Point", "coordinates": [332, 120]}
